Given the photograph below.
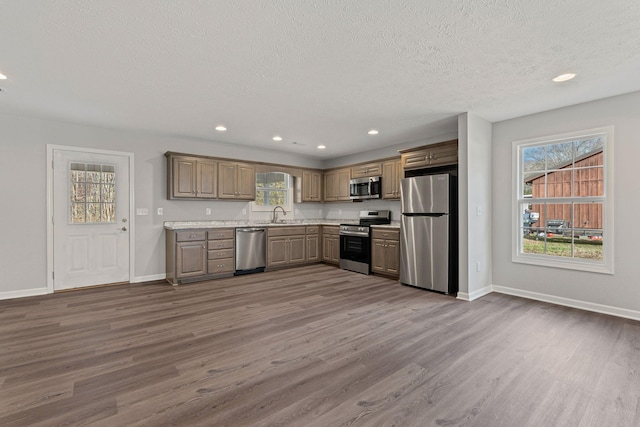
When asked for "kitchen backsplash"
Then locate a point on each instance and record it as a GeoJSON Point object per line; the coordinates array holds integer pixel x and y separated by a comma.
{"type": "Point", "coordinates": [241, 211]}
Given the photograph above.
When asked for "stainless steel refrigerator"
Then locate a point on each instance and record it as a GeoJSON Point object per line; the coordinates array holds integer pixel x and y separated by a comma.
{"type": "Point", "coordinates": [428, 232]}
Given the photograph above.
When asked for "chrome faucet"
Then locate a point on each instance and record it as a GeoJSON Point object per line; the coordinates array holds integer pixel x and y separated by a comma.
{"type": "Point", "coordinates": [274, 218]}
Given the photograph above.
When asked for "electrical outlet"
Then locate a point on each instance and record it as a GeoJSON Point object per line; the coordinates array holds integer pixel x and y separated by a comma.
{"type": "Point", "coordinates": [244, 211]}
{"type": "Point", "coordinates": [160, 211]}
{"type": "Point", "coordinates": [478, 211]}
{"type": "Point", "coordinates": [207, 211]}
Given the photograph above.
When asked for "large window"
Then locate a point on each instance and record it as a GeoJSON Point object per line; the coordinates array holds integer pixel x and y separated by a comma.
{"type": "Point", "coordinates": [273, 189]}
{"type": "Point", "coordinates": [563, 210]}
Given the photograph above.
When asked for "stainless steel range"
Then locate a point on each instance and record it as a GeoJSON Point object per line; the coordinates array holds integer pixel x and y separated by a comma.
{"type": "Point", "coordinates": [355, 240]}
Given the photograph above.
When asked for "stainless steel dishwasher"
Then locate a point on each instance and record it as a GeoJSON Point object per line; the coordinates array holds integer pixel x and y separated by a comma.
{"type": "Point", "coordinates": [251, 250]}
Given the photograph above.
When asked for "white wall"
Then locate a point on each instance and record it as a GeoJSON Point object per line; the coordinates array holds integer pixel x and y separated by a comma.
{"type": "Point", "coordinates": [618, 293]}
{"type": "Point", "coordinates": [23, 143]}
{"type": "Point", "coordinates": [475, 206]}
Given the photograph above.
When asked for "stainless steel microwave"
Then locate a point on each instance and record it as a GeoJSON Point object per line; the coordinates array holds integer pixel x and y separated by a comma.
{"type": "Point", "coordinates": [365, 188]}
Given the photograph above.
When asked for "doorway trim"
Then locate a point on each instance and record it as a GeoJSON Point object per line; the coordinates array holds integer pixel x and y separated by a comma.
{"type": "Point", "coordinates": [50, 149]}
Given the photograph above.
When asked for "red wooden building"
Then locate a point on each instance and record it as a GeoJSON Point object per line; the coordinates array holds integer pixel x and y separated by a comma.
{"type": "Point", "coordinates": [588, 181]}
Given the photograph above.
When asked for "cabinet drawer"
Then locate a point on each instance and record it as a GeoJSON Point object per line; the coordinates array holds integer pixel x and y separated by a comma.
{"type": "Point", "coordinates": [286, 231]}
{"type": "Point", "coordinates": [377, 233]}
{"type": "Point", "coordinates": [313, 229]}
{"type": "Point", "coordinates": [220, 244]}
{"type": "Point", "coordinates": [330, 229]}
{"type": "Point", "coordinates": [223, 233]}
{"type": "Point", "coordinates": [191, 235]}
{"type": "Point", "coordinates": [220, 254]}
{"type": "Point", "coordinates": [221, 265]}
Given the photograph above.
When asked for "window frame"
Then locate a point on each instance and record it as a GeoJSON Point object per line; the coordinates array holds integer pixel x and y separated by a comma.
{"type": "Point", "coordinates": [518, 198]}
{"type": "Point", "coordinates": [288, 206]}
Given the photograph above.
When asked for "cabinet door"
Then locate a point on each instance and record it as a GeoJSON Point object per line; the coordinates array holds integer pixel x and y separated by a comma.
{"type": "Point", "coordinates": [226, 180]}
{"type": "Point", "coordinates": [335, 249]}
{"type": "Point", "coordinates": [445, 154]}
{"type": "Point", "coordinates": [296, 249]}
{"type": "Point", "coordinates": [313, 248]}
{"type": "Point", "coordinates": [342, 190]}
{"type": "Point", "coordinates": [391, 179]}
{"type": "Point", "coordinates": [378, 255]}
{"type": "Point", "coordinates": [277, 251]}
{"type": "Point", "coordinates": [207, 179]}
{"type": "Point", "coordinates": [183, 177]}
{"type": "Point", "coordinates": [327, 248]}
{"type": "Point", "coordinates": [415, 159]}
{"type": "Point", "coordinates": [311, 186]}
{"type": "Point", "coordinates": [191, 259]}
{"type": "Point", "coordinates": [392, 257]}
{"type": "Point", "coordinates": [330, 186]}
{"type": "Point", "coordinates": [246, 182]}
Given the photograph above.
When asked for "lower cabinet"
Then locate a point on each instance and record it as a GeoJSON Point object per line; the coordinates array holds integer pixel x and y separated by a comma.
{"type": "Point", "coordinates": [286, 246]}
{"type": "Point", "coordinates": [191, 259]}
{"type": "Point", "coordinates": [385, 252]}
{"type": "Point", "coordinates": [293, 245]}
{"type": "Point", "coordinates": [313, 244]}
{"type": "Point", "coordinates": [331, 244]}
{"type": "Point", "coordinates": [199, 254]}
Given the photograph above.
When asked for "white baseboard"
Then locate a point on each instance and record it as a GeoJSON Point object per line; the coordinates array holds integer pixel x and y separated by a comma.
{"type": "Point", "coordinates": [475, 294]}
{"type": "Point", "coordinates": [23, 293]}
{"type": "Point", "coordinates": [568, 302]}
{"type": "Point", "coordinates": [150, 278]}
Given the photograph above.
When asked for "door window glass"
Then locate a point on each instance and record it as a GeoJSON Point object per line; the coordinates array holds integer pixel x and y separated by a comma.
{"type": "Point", "coordinates": [92, 194]}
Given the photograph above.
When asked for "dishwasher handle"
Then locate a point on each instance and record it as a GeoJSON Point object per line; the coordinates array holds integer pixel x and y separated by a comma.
{"type": "Point", "coordinates": [251, 230]}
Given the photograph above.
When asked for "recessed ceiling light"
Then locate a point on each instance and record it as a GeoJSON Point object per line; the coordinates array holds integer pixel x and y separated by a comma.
{"type": "Point", "coordinates": [321, 147]}
{"type": "Point", "coordinates": [3, 77]}
{"type": "Point", "coordinates": [564, 77]}
{"type": "Point", "coordinates": [221, 128]}
{"type": "Point", "coordinates": [277, 138]}
{"type": "Point", "coordinates": [373, 132]}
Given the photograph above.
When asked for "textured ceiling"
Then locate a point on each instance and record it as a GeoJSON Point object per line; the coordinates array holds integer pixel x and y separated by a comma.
{"type": "Point", "coordinates": [314, 72]}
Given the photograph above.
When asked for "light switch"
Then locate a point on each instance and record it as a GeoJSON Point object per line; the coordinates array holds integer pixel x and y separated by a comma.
{"type": "Point", "coordinates": [244, 211]}
{"type": "Point", "coordinates": [160, 211]}
{"type": "Point", "coordinates": [207, 211]}
{"type": "Point", "coordinates": [478, 211]}
{"type": "Point", "coordinates": [142, 211]}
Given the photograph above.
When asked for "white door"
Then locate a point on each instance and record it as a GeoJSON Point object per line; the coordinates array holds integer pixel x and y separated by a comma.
{"type": "Point", "coordinates": [91, 205]}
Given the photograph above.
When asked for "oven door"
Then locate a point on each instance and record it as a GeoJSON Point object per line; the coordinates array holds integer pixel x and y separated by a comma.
{"type": "Point", "coordinates": [355, 248]}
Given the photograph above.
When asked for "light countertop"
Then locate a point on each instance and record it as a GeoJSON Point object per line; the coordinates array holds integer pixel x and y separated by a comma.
{"type": "Point", "coordinates": [186, 225]}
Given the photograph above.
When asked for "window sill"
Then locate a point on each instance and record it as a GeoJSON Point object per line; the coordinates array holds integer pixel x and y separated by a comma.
{"type": "Point", "coordinates": [563, 263]}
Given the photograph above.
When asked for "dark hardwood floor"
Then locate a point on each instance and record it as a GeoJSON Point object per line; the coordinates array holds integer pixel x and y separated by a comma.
{"type": "Point", "coordinates": [311, 346]}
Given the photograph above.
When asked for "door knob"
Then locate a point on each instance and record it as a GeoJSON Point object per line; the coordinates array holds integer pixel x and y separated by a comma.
{"type": "Point", "coordinates": [124, 219]}
{"type": "Point", "coordinates": [124, 229]}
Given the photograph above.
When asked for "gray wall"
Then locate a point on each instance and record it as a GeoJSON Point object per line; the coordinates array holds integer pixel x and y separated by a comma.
{"type": "Point", "coordinates": [474, 206]}
{"type": "Point", "coordinates": [23, 142]}
{"type": "Point", "coordinates": [616, 293]}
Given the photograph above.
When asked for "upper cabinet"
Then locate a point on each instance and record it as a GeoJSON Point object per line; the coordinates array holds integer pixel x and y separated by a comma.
{"type": "Point", "coordinates": [311, 186]}
{"type": "Point", "coordinates": [443, 153]}
{"type": "Point", "coordinates": [392, 173]}
{"type": "Point", "coordinates": [365, 171]}
{"type": "Point", "coordinates": [236, 181]}
{"type": "Point", "coordinates": [336, 185]}
{"type": "Point", "coordinates": [191, 177]}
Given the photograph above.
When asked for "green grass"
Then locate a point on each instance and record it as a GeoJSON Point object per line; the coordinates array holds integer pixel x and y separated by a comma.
{"type": "Point", "coordinates": [558, 246]}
